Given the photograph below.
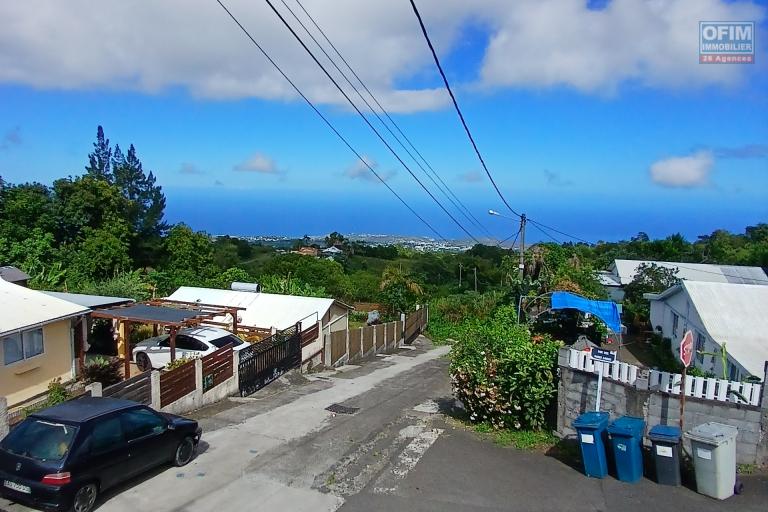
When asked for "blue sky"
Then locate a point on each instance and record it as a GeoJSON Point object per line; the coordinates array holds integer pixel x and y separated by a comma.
{"type": "Point", "coordinates": [585, 128]}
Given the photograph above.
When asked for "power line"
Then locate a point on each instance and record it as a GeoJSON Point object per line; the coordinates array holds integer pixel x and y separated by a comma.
{"type": "Point", "coordinates": [535, 225]}
{"type": "Point", "coordinates": [510, 236]}
{"type": "Point", "coordinates": [445, 188]}
{"type": "Point", "coordinates": [456, 106]}
{"type": "Point", "coordinates": [327, 122]}
{"type": "Point", "coordinates": [561, 232]}
{"type": "Point", "coordinates": [370, 125]}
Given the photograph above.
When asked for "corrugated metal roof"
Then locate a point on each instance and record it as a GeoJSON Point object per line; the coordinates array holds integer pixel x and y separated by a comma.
{"type": "Point", "coordinates": [89, 301]}
{"type": "Point", "coordinates": [22, 308]}
{"type": "Point", "coordinates": [13, 274]}
{"type": "Point", "coordinates": [734, 314]}
{"type": "Point", "coordinates": [625, 270]}
{"type": "Point", "coordinates": [261, 309]}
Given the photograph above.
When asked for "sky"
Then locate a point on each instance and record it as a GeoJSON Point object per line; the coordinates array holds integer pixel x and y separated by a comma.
{"type": "Point", "coordinates": [594, 117]}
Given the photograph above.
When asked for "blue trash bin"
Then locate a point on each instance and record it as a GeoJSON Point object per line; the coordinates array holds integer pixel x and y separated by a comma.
{"type": "Point", "coordinates": [591, 429]}
{"type": "Point", "coordinates": [626, 434]}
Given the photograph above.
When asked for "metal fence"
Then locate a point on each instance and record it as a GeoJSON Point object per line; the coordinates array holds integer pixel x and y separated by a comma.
{"type": "Point", "coordinates": [263, 362]}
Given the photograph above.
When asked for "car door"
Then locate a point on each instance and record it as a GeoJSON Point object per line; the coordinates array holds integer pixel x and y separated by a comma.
{"type": "Point", "coordinates": [160, 354]}
{"type": "Point", "coordinates": [187, 346]}
{"type": "Point", "coordinates": [148, 439]}
{"type": "Point", "coordinates": [107, 451]}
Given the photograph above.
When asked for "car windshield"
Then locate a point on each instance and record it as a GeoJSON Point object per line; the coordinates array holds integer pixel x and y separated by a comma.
{"type": "Point", "coordinates": [40, 439]}
{"type": "Point", "coordinates": [226, 340]}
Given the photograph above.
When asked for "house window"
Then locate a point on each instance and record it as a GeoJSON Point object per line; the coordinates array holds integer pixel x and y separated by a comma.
{"type": "Point", "coordinates": [701, 343]}
{"type": "Point", "coordinates": [733, 372]}
{"type": "Point", "coordinates": [675, 322]}
{"type": "Point", "coordinates": [22, 345]}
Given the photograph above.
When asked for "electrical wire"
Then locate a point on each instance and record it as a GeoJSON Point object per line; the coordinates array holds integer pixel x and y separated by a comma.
{"type": "Point", "coordinates": [365, 119]}
{"type": "Point", "coordinates": [327, 122]}
{"type": "Point", "coordinates": [445, 188]}
{"type": "Point", "coordinates": [560, 232]}
{"type": "Point", "coordinates": [510, 236]}
{"type": "Point", "coordinates": [456, 106]}
{"type": "Point", "coordinates": [545, 233]}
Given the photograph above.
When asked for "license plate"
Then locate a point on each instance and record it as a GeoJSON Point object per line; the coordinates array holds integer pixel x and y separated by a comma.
{"type": "Point", "coordinates": [17, 487]}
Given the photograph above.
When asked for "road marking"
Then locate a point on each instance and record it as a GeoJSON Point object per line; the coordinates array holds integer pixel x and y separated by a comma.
{"type": "Point", "coordinates": [429, 407]}
{"type": "Point", "coordinates": [407, 460]}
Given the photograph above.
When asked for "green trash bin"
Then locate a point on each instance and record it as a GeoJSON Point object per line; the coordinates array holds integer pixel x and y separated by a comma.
{"type": "Point", "coordinates": [713, 448]}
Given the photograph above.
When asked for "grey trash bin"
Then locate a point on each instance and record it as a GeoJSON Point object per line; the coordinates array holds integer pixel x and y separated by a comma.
{"type": "Point", "coordinates": [713, 449]}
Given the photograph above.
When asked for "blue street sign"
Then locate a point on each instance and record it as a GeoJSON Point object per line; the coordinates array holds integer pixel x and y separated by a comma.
{"type": "Point", "coordinates": [605, 356]}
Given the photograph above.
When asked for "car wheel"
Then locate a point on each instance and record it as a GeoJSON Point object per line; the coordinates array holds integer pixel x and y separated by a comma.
{"type": "Point", "coordinates": [85, 498]}
{"type": "Point", "coordinates": [184, 452]}
{"type": "Point", "coordinates": [143, 362]}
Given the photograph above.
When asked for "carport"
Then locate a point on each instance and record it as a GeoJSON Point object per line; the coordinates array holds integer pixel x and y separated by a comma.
{"type": "Point", "coordinates": [173, 315]}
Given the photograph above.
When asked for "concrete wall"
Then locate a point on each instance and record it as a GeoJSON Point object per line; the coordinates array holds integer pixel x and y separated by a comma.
{"type": "Point", "coordinates": [577, 392]}
{"type": "Point", "coordinates": [197, 399]}
{"type": "Point", "coordinates": [29, 377]}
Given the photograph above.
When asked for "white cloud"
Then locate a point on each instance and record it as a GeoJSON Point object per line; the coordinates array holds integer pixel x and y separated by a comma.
{"type": "Point", "coordinates": [533, 43]}
{"type": "Point", "coordinates": [360, 171]}
{"type": "Point", "coordinates": [683, 171]}
{"type": "Point", "coordinates": [259, 163]}
{"type": "Point", "coordinates": [652, 43]}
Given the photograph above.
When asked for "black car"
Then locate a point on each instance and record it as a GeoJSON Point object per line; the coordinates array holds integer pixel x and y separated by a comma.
{"type": "Point", "coordinates": [62, 457]}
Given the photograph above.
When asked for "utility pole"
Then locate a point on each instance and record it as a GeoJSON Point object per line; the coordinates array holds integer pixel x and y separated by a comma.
{"type": "Point", "coordinates": [521, 266]}
{"type": "Point", "coordinates": [460, 275]}
{"type": "Point", "coordinates": [475, 279]}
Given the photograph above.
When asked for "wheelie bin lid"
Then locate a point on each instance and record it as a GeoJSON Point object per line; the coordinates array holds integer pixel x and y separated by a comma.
{"type": "Point", "coordinates": [591, 420]}
{"type": "Point", "coordinates": [665, 434]}
{"type": "Point", "coordinates": [713, 433]}
{"type": "Point", "coordinates": [627, 426]}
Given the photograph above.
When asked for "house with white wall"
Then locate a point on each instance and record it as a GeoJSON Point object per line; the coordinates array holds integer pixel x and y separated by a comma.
{"type": "Point", "coordinates": [622, 272]}
{"type": "Point", "coordinates": [718, 314]}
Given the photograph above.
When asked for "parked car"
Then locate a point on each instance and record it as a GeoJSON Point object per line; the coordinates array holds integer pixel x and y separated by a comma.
{"type": "Point", "coordinates": [190, 342]}
{"type": "Point", "coordinates": [61, 458]}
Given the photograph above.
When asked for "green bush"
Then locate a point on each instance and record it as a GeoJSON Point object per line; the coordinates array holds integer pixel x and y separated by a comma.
{"type": "Point", "coordinates": [503, 374]}
{"type": "Point", "coordinates": [105, 370]}
{"type": "Point", "coordinates": [450, 316]}
{"type": "Point", "coordinates": [181, 361]}
{"type": "Point", "coordinates": [57, 393]}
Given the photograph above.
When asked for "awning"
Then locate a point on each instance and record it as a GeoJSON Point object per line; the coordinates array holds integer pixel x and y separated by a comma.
{"type": "Point", "coordinates": [605, 310]}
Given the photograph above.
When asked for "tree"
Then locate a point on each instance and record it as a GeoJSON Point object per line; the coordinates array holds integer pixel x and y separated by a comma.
{"type": "Point", "coordinates": [335, 239]}
{"type": "Point", "coordinates": [399, 289]}
{"type": "Point", "coordinates": [147, 203]}
{"type": "Point", "coordinates": [649, 278]}
{"type": "Point", "coordinates": [190, 257]}
{"type": "Point", "coordinates": [99, 160]}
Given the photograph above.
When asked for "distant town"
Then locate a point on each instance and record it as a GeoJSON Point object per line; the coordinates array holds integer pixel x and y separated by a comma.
{"type": "Point", "coordinates": [418, 243]}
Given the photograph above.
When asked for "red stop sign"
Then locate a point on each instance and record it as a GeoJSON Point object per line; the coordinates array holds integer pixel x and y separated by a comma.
{"type": "Point", "coordinates": [686, 348]}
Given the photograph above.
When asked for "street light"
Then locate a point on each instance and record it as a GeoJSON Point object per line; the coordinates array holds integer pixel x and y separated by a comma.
{"type": "Point", "coordinates": [521, 265]}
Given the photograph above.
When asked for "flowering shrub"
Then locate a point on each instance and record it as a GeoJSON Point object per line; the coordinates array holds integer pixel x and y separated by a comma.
{"type": "Point", "coordinates": [504, 375]}
{"type": "Point", "coordinates": [179, 361]}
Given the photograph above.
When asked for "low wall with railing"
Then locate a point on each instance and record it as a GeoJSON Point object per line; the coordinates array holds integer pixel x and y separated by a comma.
{"type": "Point", "coordinates": [346, 346]}
{"type": "Point", "coordinates": [655, 397]}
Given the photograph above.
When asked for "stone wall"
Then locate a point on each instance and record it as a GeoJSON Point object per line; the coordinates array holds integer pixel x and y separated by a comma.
{"type": "Point", "coordinates": [577, 392]}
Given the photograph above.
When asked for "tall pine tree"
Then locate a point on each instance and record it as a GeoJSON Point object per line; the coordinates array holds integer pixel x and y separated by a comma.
{"type": "Point", "coordinates": [148, 202]}
{"type": "Point", "coordinates": [99, 159]}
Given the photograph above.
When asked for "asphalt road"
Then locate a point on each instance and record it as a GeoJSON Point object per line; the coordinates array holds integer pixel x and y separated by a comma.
{"type": "Point", "coordinates": [282, 450]}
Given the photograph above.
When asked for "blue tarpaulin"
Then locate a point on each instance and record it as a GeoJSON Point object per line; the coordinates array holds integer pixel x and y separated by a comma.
{"type": "Point", "coordinates": [605, 310]}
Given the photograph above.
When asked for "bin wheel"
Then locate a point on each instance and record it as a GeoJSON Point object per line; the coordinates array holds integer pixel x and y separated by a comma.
{"type": "Point", "coordinates": [738, 488]}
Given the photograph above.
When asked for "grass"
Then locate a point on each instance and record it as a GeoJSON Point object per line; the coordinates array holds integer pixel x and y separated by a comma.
{"type": "Point", "coordinates": [745, 469]}
{"type": "Point", "coordinates": [528, 440]}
